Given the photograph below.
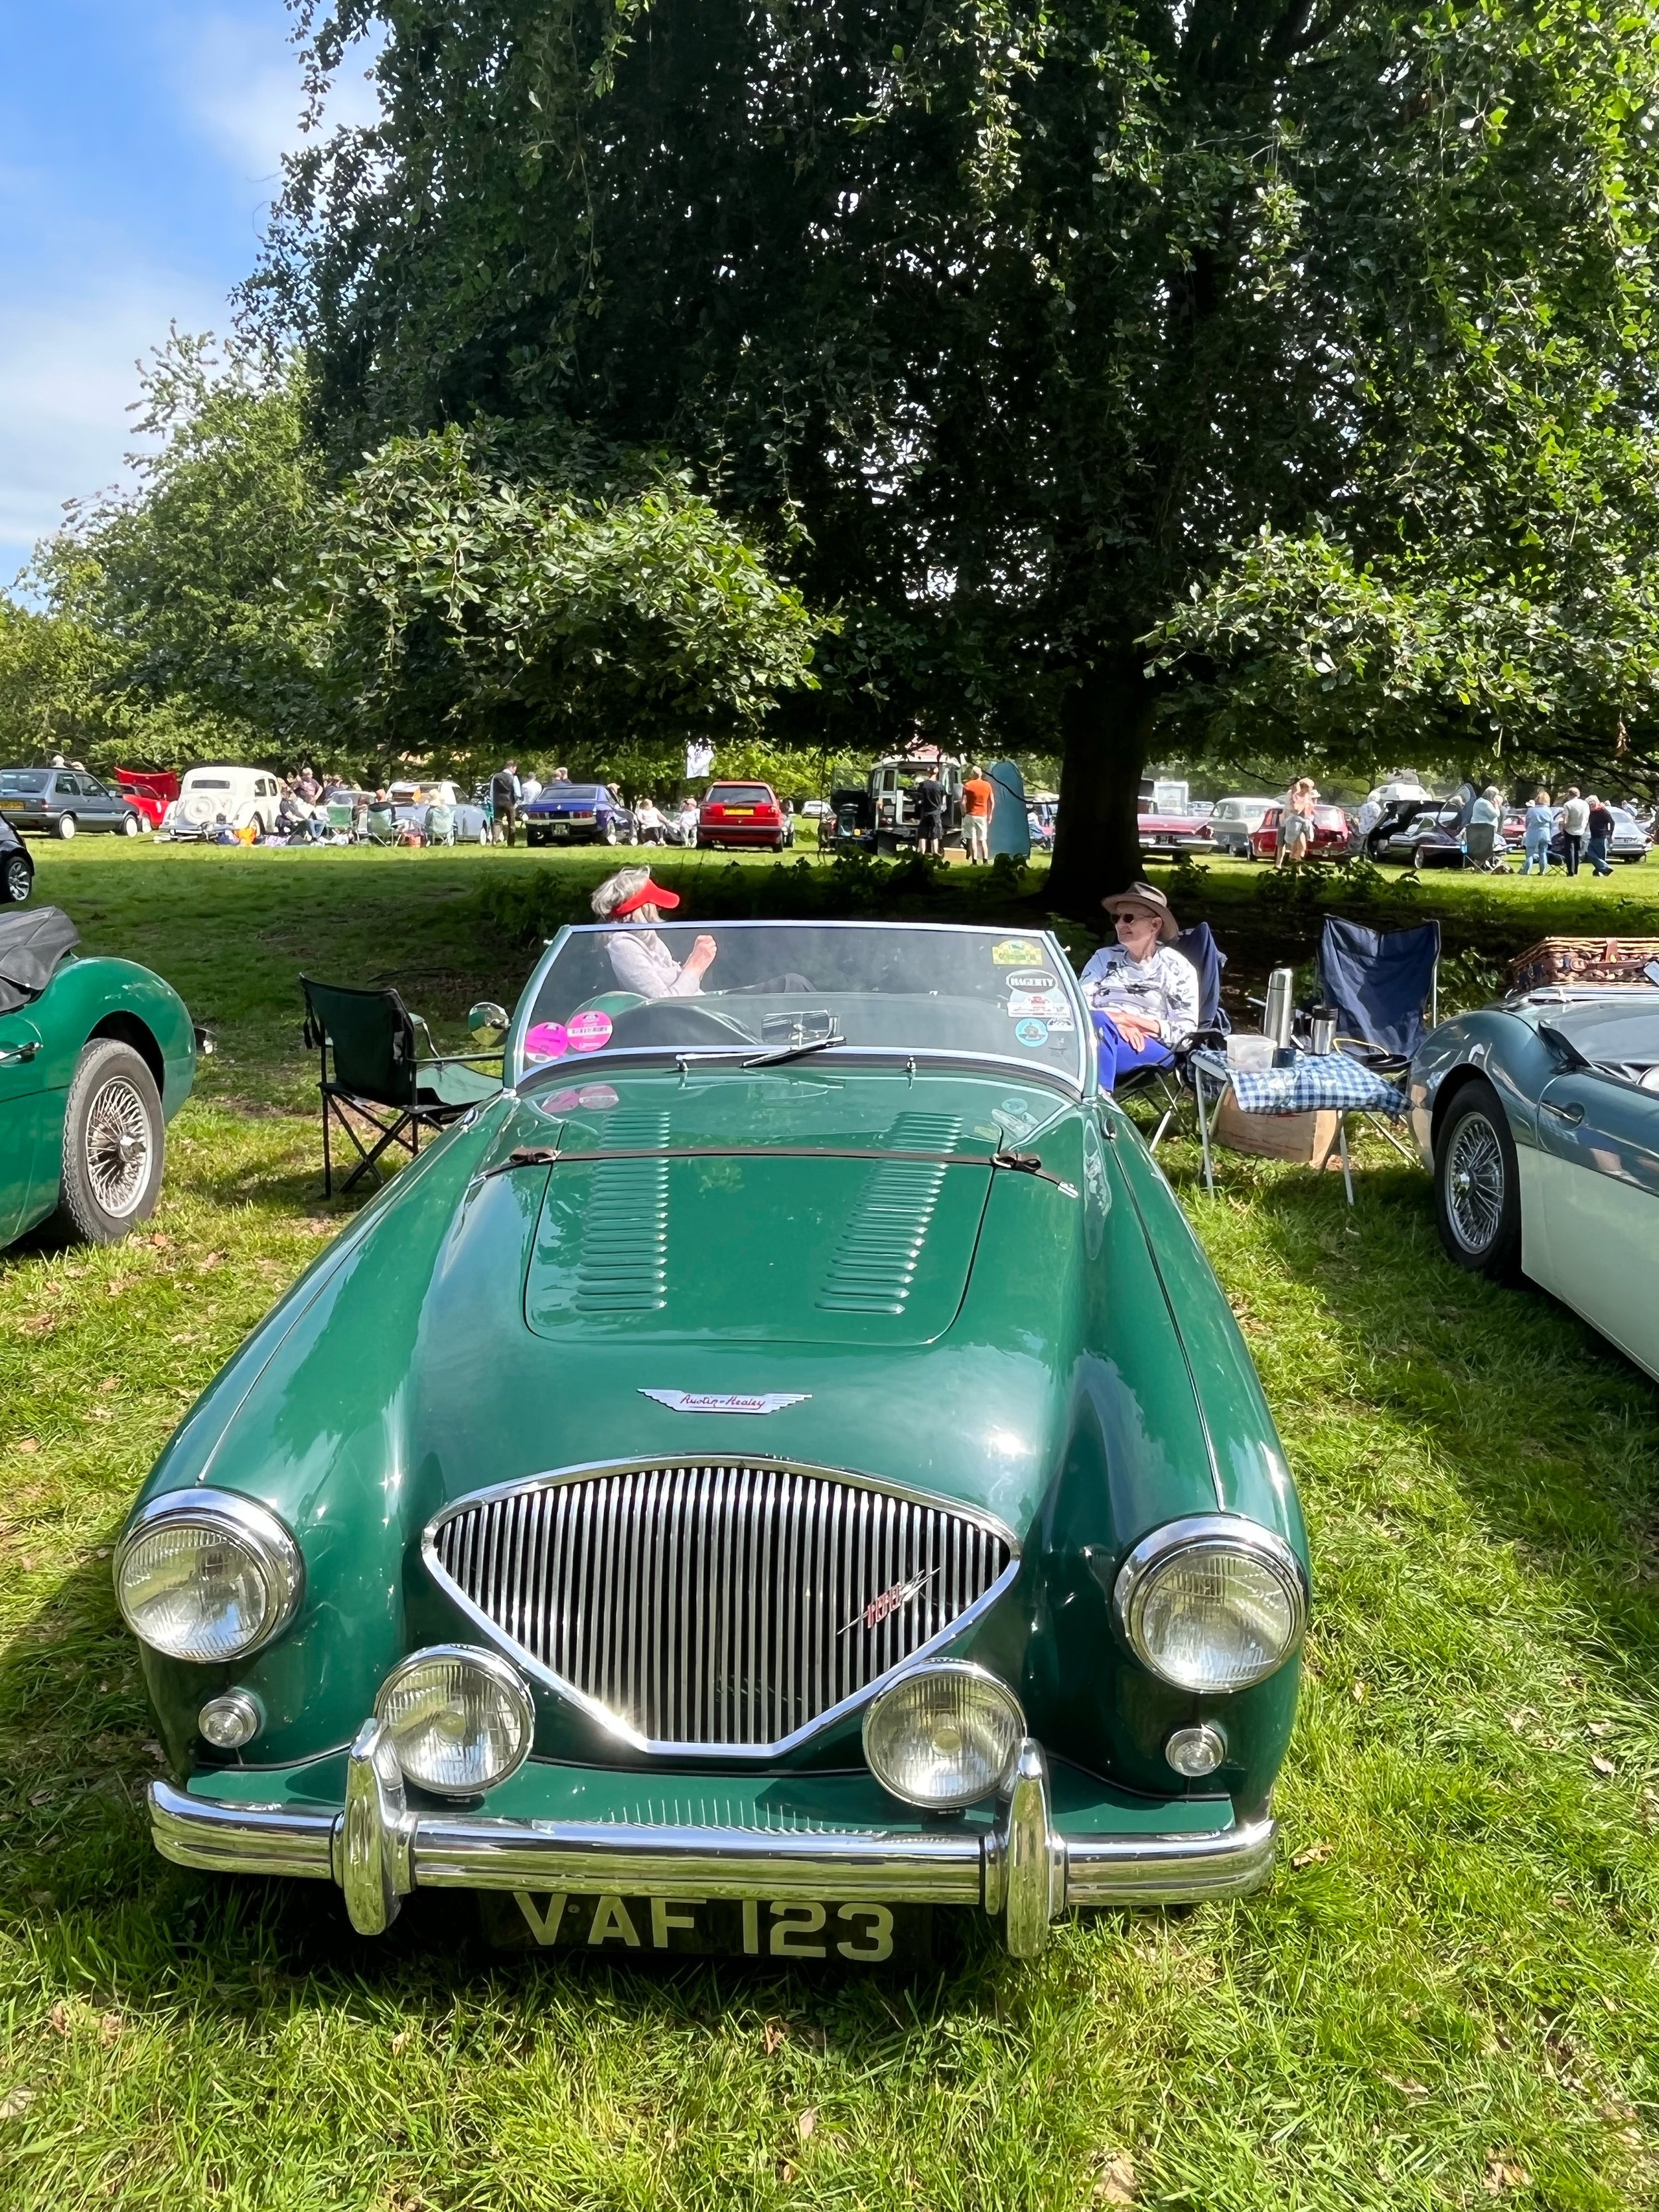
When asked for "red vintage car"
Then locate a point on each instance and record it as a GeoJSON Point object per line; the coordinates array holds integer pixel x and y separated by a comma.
{"type": "Point", "coordinates": [1331, 839]}
{"type": "Point", "coordinates": [743, 814]}
{"type": "Point", "coordinates": [150, 791]}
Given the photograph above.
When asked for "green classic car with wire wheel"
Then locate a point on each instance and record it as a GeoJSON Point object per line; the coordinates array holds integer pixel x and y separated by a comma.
{"type": "Point", "coordinates": [96, 1057]}
{"type": "Point", "coordinates": [781, 1466]}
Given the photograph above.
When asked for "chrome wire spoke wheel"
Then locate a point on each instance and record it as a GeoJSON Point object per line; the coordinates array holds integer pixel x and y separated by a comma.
{"type": "Point", "coordinates": [1474, 1183]}
{"type": "Point", "coordinates": [118, 1146]}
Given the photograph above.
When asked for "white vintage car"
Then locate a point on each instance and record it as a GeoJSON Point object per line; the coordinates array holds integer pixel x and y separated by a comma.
{"type": "Point", "coordinates": [218, 794]}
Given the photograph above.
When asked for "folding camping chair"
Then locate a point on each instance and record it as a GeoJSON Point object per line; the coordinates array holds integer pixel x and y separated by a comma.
{"type": "Point", "coordinates": [1385, 987]}
{"type": "Point", "coordinates": [1198, 945]}
{"type": "Point", "coordinates": [381, 826]}
{"type": "Point", "coordinates": [381, 1070]}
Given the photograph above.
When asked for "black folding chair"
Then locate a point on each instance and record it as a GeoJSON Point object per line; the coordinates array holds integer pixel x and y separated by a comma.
{"type": "Point", "coordinates": [382, 1078]}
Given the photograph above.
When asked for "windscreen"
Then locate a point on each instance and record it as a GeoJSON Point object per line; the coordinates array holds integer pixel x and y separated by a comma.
{"type": "Point", "coordinates": [748, 989]}
{"type": "Point", "coordinates": [739, 794]}
{"type": "Point", "coordinates": [207, 783]}
{"type": "Point", "coordinates": [572, 794]}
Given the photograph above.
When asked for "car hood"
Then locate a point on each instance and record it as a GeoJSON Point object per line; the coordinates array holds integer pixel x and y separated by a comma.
{"type": "Point", "coordinates": [655, 1226]}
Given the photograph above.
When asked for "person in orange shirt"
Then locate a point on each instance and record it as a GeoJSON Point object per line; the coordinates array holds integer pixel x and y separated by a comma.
{"type": "Point", "coordinates": [977, 798]}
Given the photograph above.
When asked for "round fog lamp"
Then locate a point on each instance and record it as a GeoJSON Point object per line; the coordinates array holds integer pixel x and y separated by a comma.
{"type": "Point", "coordinates": [229, 1721]}
{"type": "Point", "coordinates": [1195, 1752]}
{"type": "Point", "coordinates": [943, 1735]}
{"type": "Point", "coordinates": [1212, 1603]}
{"type": "Point", "coordinates": [459, 1718]}
{"type": "Point", "coordinates": [206, 1574]}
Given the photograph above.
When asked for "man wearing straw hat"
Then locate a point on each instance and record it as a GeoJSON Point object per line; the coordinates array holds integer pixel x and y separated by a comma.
{"type": "Point", "coordinates": [1144, 992]}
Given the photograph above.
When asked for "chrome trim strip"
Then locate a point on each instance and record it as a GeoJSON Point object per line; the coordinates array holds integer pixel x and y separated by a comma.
{"type": "Point", "coordinates": [456, 1851]}
{"type": "Point", "coordinates": [683, 1596]}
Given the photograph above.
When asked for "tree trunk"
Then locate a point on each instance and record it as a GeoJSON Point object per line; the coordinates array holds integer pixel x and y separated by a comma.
{"type": "Point", "coordinates": [1108, 726]}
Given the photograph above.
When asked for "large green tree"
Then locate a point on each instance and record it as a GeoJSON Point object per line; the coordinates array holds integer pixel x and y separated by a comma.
{"type": "Point", "coordinates": [190, 586]}
{"type": "Point", "coordinates": [1028, 317]}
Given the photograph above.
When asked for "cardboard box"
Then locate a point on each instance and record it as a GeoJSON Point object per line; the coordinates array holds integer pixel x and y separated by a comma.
{"type": "Point", "coordinates": [1306, 1139]}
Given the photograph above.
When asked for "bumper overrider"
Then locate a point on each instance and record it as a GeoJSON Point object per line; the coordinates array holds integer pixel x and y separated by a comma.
{"type": "Point", "coordinates": [1021, 1870]}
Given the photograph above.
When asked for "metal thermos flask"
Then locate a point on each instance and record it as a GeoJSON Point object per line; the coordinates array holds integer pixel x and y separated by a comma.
{"type": "Point", "coordinates": [1276, 1021]}
{"type": "Point", "coordinates": [1321, 1029]}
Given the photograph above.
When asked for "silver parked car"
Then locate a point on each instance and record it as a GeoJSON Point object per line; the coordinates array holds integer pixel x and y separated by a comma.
{"type": "Point", "coordinates": [63, 801]}
{"type": "Point", "coordinates": [1231, 822]}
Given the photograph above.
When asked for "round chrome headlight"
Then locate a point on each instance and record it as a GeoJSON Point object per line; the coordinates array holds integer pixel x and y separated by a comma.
{"type": "Point", "coordinates": [1213, 1603]}
{"type": "Point", "coordinates": [943, 1735]}
{"type": "Point", "coordinates": [459, 1719]}
{"type": "Point", "coordinates": [203, 1575]}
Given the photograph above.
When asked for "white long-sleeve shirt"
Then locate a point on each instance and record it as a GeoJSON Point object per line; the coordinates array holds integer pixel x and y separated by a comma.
{"type": "Point", "coordinates": [642, 962]}
{"type": "Point", "coordinates": [1163, 989]}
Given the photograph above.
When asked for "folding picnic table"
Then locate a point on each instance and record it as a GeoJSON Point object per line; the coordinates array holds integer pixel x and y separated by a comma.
{"type": "Point", "coordinates": [1328, 1082]}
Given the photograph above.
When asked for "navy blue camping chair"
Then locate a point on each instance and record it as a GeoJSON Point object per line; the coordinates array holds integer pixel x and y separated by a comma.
{"type": "Point", "coordinates": [1198, 945]}
{"type": "Point", "coordinates": [1385, 987]}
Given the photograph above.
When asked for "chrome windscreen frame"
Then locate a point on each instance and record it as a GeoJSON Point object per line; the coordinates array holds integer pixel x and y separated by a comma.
{"type": "Point", "coordinates": [722, 1753]}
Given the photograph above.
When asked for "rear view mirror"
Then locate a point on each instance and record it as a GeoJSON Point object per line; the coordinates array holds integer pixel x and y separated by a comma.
{"type": "Point", "coordinates": [488, 1022]}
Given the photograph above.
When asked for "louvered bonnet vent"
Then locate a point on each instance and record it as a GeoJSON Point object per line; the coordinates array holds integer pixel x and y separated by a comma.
{"type": "Point", "coordinates": [713, 1606]}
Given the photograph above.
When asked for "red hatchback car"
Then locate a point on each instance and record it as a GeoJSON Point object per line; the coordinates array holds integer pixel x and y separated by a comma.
{"type": "Point", "coordinates": [743, 814]}
{"type": "Point", "coordinates": [1330, 834]}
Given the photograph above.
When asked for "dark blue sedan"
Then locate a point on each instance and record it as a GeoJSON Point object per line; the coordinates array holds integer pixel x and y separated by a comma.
{"type": "Point", "coordinates": [578, 814]}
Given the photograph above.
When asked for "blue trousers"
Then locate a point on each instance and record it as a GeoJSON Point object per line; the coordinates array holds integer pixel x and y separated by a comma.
{"type": "Point", "coordinates": [1118, 1056]}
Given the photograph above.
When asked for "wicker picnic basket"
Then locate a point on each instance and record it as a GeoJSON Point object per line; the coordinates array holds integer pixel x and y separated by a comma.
{"type": "Point", "coordinates": [1581, 960]}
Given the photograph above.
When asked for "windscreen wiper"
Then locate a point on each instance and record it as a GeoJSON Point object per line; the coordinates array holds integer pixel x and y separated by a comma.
{"type": "Point", "coordinates": [795, 1051]}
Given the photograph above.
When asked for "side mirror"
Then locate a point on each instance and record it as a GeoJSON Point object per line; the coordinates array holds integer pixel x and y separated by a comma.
{"type": "Point", "coordinates": [488, 1022]}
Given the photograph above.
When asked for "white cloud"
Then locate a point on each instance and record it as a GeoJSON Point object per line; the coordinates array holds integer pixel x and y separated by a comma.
{"type": "Point", "coordinates": [244, 91]}
{"type": "Point", "coordinates": [67, 376]}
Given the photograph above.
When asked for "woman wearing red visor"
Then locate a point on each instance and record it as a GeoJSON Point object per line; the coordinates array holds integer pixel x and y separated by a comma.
{"type": "Point", "coordinates": [639, 959]}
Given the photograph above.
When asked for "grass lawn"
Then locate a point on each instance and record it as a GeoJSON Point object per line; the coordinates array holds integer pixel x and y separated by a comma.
{"type": "Point", "coordinates": [1449, 1995]}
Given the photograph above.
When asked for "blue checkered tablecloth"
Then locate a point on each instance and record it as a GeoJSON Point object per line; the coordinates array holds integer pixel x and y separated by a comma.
{"type": "Point", "coordinates": [1314, 1081]}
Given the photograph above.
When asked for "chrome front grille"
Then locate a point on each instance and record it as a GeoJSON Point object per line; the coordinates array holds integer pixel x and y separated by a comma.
{"type": "Point", "coordinates": [713, 1605]}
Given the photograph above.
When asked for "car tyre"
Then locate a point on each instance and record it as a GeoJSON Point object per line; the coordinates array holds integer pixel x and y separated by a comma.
{"type": "Point", "coordinates": [64, 826]}
{"type": "Point", "coordinates": [1477, 1187]}
{"type": "Point", "coordinates": [114, 1144]}
{"type": "Point", "coordinates": [130, 824]}
{"type": "Point", "coordinates": [16, 878]}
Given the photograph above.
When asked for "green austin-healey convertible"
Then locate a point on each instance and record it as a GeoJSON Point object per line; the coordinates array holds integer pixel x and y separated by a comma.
{"type": "Point", "coordinates": [96, 1057]}
{"type": "Point", "coordinates": [782, 1463]}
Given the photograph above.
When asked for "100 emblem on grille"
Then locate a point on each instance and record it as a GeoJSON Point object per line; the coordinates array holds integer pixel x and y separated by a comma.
{"type": "Point", "coordinates": [716, 1604]}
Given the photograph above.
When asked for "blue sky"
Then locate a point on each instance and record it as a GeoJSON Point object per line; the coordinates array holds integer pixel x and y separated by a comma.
{"type": "Point", "coordinates": [140, 148]}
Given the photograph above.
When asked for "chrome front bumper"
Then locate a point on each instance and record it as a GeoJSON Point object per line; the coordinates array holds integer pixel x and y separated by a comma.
{"type": "Point", "coordinates": [1020, 1870]}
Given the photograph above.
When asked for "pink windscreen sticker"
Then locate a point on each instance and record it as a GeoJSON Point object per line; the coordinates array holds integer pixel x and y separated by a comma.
{"type": "Point", "coordinates": [561, 1101]}
{"type": "Point", "coordinates": [596, 1097]}
{"type": "Point", "coordinates": [551, 1040]}
{"type": "Point", "coordinates": [589, 1032]}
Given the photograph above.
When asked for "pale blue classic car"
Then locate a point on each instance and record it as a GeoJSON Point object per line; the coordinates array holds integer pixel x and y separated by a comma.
{"type": "Point", "coordinates": [1539, 1119]}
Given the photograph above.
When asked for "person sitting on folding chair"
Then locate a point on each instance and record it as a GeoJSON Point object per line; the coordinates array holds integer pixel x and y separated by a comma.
{"type": "Point", "coordinates": [1144, 994]}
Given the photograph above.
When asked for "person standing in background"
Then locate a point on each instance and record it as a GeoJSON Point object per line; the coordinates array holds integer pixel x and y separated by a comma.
{"type": "Point", "coordinates": [929, 796]}
{"type": "Point", "coordinates": [504, 799]}
{"type": "Point", "coordinates": [1481, 839]}
{"type": "Point", "coordinates": [977, 801]}
{"type": "Point", "coordinates": [1295, 824]}
{"type": "Point", "coordinates": [1599, 826]}
{"type": "Point", "coordinates": [1575, 822]}
{"type": "Point", "coordinates": [1540, 829]}
{"type": "Point", "coordinates": [529, 789]}
{"type": "Point", "coordinates": [1370, 814]}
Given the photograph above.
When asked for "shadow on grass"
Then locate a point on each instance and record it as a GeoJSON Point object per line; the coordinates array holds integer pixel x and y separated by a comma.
{"type": "Point", "coordinates": [1549, 1434]}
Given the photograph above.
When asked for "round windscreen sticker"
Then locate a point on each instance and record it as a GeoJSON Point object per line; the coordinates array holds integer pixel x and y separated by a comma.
{"type": "Point", "coordinates": [1031, 1033]}
{"type": "Point", "coordinates": [548, 1041]}
{"type": "Point", "coordinates": [589, 1032]}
